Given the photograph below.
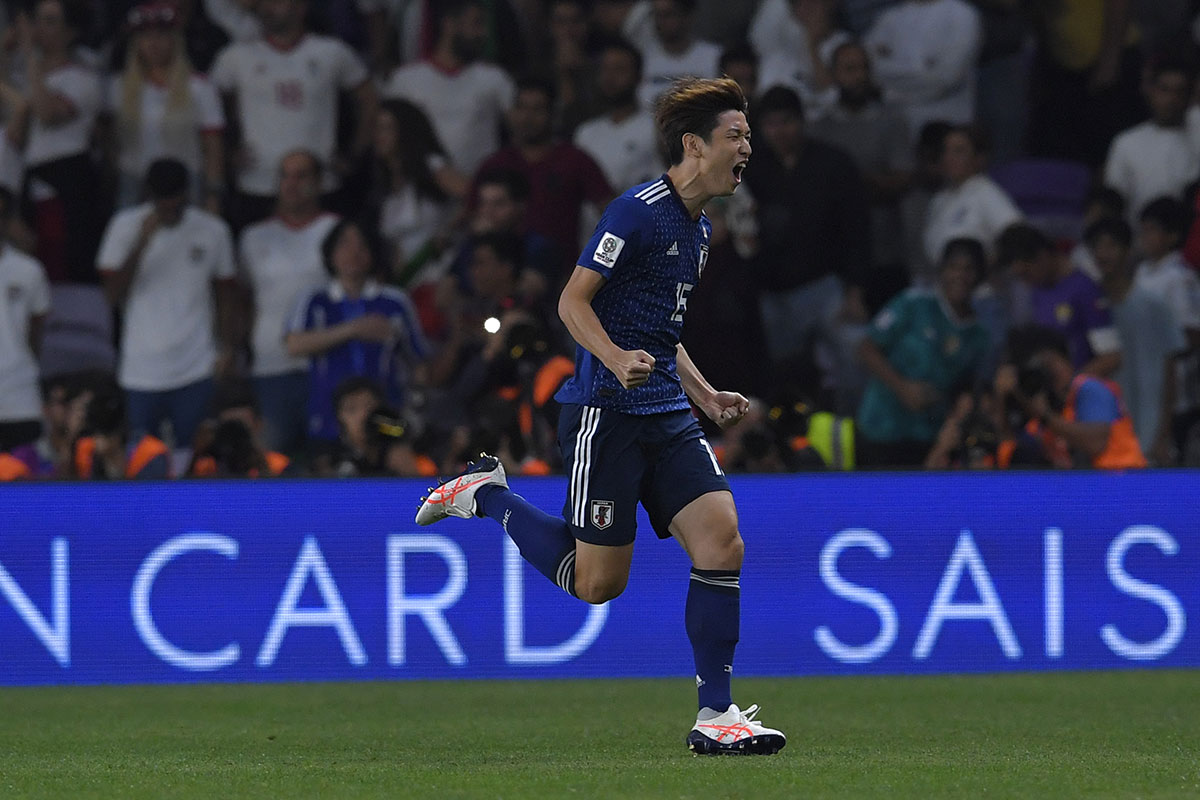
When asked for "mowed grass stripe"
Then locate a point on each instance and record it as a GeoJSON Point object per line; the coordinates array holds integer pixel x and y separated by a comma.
{"type": "Point", "coordinates": [1111, 734]}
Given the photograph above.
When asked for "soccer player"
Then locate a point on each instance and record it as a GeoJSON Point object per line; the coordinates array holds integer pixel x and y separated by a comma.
{"type": "Point", "coordinates": [626, 429]}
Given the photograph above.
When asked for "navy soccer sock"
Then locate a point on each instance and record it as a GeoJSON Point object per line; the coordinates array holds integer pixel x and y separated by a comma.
{"type": "Point", "coordinates": [544, 541]}
{"type": "Point", "coordinates": [712, 618]}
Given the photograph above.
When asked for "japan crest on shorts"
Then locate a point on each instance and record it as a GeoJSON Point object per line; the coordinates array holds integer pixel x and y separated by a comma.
{"type": "Point", "coordinates": [602, 513]}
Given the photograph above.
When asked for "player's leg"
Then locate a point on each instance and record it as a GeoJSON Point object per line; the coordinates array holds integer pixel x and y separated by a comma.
{"type": "Point", "coordinates": [596, 454]}
{"type": "Point", "coordinates": [482, 490]}
{"type": "Point", "coordinates": [690, 500]}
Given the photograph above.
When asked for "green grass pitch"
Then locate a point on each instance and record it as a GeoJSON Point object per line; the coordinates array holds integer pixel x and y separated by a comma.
{"type": "Point", "coordinates": [1111, 734]}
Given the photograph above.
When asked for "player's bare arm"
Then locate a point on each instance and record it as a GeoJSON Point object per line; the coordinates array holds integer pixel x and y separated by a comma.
{"type": "Point", "coordinates": [632, 367]}
{"type": "Point", "coordinates": [723, 408]}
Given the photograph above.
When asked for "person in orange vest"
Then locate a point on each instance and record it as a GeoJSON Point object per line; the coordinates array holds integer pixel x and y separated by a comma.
{"type": "Point", "coordinates": [1080, 419]}
{"type": "Point", "coordinates": [230, 444]}
{"type": "Point", "coordinates": [104, 451]}
{"type": "Point", "coordinates": [13, 468]}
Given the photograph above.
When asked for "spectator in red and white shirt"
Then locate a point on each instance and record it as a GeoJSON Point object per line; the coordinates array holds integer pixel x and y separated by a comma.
{"type": "Point", "coordinates": [286, 87]}
{"type": "Point", "coordinates": [162, 109]}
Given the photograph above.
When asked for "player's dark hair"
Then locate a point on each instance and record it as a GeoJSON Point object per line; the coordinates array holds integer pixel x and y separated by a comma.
{"type": "Point", "coordinates": [1115, 228]}
{"type": "Point", "coordinates": [1021, 242]}
{"type": "Point", "coordinates": [971, 249]}
{"type": "Point", "coordinates": [354, 385]}
{"type": "Point", "coordinates": [692, 105]}
{"type": "Point", "coordinates": [1169, 213]}
{"type": "Point", "coordinates": [508, 247]}
{"type": "Point", "coordinates": [513, 181]}
{"type": "Point", "coordinates": [779, 99]}
{"type": "Point", "coordinates": [622, 45]}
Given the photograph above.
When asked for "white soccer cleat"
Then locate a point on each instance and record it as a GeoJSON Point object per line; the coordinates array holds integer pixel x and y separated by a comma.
{"type": "Point", "coordinates": [734, 732]}
{"type": "Point", "coordinates": [456, 498]}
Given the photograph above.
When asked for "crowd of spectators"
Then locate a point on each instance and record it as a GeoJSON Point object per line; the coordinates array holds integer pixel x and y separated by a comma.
{"type": "Point", "coordinates": [282, 237]}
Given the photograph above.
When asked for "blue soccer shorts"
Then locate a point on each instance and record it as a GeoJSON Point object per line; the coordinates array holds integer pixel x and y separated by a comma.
{"type": "Point", "coordinates": [614, 460]}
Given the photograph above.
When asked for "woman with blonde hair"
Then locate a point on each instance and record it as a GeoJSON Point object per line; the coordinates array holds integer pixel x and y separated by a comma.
{"type": "Point", "coordinates": [162, 109]}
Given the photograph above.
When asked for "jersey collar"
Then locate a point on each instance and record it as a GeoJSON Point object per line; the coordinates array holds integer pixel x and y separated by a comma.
{"type": "Point", "coordinates": [371, 289]}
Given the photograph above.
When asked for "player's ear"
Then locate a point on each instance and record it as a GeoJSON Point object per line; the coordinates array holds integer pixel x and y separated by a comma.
{"type": "Point", "coordinates": [692, 145]}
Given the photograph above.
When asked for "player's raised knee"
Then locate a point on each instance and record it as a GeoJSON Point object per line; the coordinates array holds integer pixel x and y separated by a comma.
{"type": "Point", "coordinates": [597, 591]}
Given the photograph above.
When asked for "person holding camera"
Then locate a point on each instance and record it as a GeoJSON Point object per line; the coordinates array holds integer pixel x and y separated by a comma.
{"type": "Point", "coordinates": [1078, 419]}
{"type": "Point", "coordinates": [230, 444]}
{"type": "Point", "coordinates": [373, 440]}
{"type": "Point", "coordinates": [106, 451]}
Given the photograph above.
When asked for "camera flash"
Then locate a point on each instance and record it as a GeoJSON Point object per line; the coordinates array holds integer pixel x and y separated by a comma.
{"type": "Point", "coordinates": [491, 325]}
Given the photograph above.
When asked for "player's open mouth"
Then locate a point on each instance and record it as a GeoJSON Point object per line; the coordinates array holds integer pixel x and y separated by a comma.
{"type": "Point", "coordinates": [737, 171]}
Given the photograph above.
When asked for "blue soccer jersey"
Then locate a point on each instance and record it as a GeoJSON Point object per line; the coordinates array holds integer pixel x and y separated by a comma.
{"type": "Point", "coordinates": [652, 253]}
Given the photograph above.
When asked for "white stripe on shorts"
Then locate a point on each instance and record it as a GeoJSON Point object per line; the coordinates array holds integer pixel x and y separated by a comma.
{"type": "Point", "coordinates": [711, 455]}
{"type": "Point", "coordinates": [581, 469]}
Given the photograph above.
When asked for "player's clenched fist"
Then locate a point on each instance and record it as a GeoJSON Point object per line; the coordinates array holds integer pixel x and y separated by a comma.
{"type": "Point", "coordinates": [632, 367]}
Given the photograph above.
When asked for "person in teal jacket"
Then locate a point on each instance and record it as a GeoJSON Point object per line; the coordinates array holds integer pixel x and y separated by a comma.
{"type": "Point", "coordinates": [921, 348]}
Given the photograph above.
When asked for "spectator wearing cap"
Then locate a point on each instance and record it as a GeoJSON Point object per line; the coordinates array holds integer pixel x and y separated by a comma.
{"type": "Point", "coordinates": [162, 109]}
{"type": "Point", "coordinates": [54, 131]}
{"type": "Point", "coordinates": [280, 264]}
{"type": "Point", "coordinates": [169, 267]}
{"type": "Point", "coordinates": [286, 86]}
{"type": "Point", "coordinates": [24, 302]}
{"type": "Point", "coordinates": [355, 326]}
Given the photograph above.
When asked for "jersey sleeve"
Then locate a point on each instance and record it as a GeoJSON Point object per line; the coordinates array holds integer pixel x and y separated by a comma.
{"type": "Point", "coordinates": [625, 231]}
{"type": "Point", "coordinates": [117, 241]}
{"type": "Point", "coordinates": [1094, 402]}
{"type": "Point", "coordinates": [891, 322]}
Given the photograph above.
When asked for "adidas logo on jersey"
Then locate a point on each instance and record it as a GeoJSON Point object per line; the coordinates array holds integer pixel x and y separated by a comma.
{"type": "Point", "coordinates": [673, 250]}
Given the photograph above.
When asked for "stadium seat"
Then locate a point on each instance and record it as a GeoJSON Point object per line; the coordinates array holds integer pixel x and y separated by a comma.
{"type": "Point", "coordinates": [1050, 192]}
{"type": "Point", "coordinates": [78, 332]}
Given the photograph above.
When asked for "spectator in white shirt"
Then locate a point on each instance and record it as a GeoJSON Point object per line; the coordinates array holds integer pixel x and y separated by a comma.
{"type": "Point", "coordinates": [54, 130]}
{"type": "Point", "coordinates": [673, 52]}
{"type": "Point", "coordinates": [1165, 275]}
{"type": "Point", "coordinates": [465, 98]}
{"type": "Point", "coordinates": [795, 41]}
{"type": "Point", "coordinates": [411, 187]}
{"type": "Point", "coordinates": [280, 263]}
{"type": "Point", "coordinates": [623, 140]}
{"type": "Point", "coordinates": [1157, 157]}
{"type": "Point", "coordinates": [924, 54]}
{"type": "Point", "coordinates": [286, 87]}
{"type": "Point", "coordinates": [24, 302]}
{"type": "Point", "coordinates": [161, 109]}
{"type": "Point", "coordinates": [970, 205]}
{"type": "Point", "coordinates": [162, 262]}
